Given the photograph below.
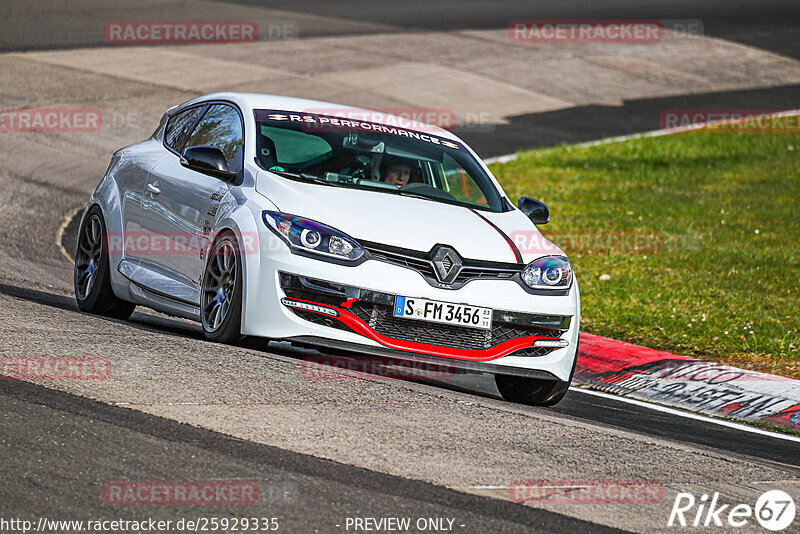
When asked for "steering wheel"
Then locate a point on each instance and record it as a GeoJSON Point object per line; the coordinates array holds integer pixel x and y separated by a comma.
{"type": "Point", "coordinates": [361, 167]}
{"type": "Point", "coordinates": [427, 190]}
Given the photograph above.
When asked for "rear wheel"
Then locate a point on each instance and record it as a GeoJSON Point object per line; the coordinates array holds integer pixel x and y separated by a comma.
{"type": "Point", "coordinates": [221, 295]}
{"type": "Point", "coordinates": [534, 391]}
{"type": "Point", "coordinates": [92, 275]}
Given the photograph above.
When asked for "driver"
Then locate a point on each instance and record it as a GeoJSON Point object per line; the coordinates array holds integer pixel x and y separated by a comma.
{"type": "Point", "coordinates": [398, 174]}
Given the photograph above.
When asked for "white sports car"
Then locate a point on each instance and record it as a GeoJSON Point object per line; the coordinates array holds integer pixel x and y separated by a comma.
{"type": "Point", "coordinates": [335, 228]}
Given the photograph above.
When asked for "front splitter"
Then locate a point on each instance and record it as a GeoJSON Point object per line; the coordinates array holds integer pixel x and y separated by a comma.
{"type": "Point", "coordinates": [448, 364]}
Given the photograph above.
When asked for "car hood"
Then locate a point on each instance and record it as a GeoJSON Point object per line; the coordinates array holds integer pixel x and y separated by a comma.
{"type": "Point", "coordinates": [407, 222]}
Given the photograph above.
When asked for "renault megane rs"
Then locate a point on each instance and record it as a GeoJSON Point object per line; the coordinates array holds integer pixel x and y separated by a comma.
{"type": "Point", "coordinates": [335, 228]}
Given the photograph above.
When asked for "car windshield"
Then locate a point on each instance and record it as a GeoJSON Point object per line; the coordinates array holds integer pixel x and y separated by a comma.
{"type": "Point", "coordinates": [377, 157]}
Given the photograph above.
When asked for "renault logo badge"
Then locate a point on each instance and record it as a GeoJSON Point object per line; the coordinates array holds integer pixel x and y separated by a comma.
{"type": "Point", "coordinates": [446, 263]}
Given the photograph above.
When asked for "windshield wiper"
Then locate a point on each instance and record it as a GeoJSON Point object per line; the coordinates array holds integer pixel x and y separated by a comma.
{"type": "Point", "coordinates": [284, 173]}
{"type": "Point", "coordinates": [306, 176]}
{"type": "Point", "coordinates": [303, 176]}
{"type": "Point", "coordinates": [415, 195]}
{"type": "Point", "coordinates": [295, 175]}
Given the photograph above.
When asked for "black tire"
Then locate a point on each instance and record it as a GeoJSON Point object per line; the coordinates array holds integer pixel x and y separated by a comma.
{"type": "Point", "coordinates": [92, 275]}
{"type": "Point", "coordinates": [534, 391]}
{"type": "Point", "coordinates": [229, 328]}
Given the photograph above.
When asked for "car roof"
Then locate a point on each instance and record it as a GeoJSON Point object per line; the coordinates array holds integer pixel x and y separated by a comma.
{"type": "Point", "coordinates": [252, 101]}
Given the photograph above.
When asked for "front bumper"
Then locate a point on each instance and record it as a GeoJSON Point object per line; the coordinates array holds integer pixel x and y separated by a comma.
{"type": "Point", "coordinates": [362, 299]}
{"type": "Point", "coordinates": [369, 313]}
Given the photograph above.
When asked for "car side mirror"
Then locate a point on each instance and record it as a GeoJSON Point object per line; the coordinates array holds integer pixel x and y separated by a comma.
{"type": "Point", "coordinates": [536, 211]}
{"type": "Point", "coordinates": [208, 160]}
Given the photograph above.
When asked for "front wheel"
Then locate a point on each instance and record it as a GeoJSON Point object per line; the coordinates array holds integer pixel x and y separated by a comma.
{"type": "Point", "coordinates": [534, 391]}
{"type": "Point", "coordinates": [221, 294]}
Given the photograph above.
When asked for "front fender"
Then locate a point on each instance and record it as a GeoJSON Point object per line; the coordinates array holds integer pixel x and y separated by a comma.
{"type": "Point", "coordinates": [253, 240]}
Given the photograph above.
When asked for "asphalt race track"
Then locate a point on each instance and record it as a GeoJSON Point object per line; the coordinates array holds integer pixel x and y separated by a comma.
{"type": "Point", "coordinates": [321, 451]}
{"type": "Point", "coordinates": [305, 492]}
{"type": "Point", "coordinates": [768, 24]}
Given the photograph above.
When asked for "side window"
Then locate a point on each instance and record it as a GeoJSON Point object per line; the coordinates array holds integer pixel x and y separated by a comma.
{"type": "Point", "coordinates": [179, 126]}
{"type": "Point", "coordinates": [459, 183]}
{"type": "Point", "coordinates": [221, 128]}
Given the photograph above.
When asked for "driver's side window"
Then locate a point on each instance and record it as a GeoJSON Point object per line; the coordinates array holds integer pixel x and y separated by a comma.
{"type": "Point", "coordinates": [220, 128]}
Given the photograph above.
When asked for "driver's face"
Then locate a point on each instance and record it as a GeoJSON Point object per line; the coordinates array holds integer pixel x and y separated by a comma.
{"type": "Point", "coordinates": [398, 175]}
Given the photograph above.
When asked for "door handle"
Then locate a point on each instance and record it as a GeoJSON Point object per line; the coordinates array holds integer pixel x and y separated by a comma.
{"type": "Point", "coordinates": [153, 189]}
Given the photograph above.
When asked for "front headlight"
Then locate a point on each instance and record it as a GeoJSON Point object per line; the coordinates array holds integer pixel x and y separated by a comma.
{"type": "Point", "coordinates": [311, 237]}
{"type": "Point", "coordinates": [550, 272]}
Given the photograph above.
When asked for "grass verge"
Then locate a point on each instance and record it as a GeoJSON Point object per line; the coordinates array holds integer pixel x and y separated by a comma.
{"type": "Point", "coordinates": [688, 243]}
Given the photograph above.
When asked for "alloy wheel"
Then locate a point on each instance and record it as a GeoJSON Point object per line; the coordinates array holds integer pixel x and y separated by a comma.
{"type": "Point", "coordinates": [219, 283]}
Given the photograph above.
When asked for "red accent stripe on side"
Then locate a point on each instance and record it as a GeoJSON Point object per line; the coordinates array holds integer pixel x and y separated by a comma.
{"type": "Point", "coordinates": [511, 245]}
{"type": "Point", "coordinates": [360, 327]}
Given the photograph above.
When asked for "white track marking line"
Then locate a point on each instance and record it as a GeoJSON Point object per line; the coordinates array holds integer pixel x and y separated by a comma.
{"type": "Point", "coordinates": [653, 133]}
{"type": "Point", "coordinates": [60, 232]}
{"type": "Point", "coordinates": [689, 415]}
{"type": "Point", "coordinates": [500, 159]}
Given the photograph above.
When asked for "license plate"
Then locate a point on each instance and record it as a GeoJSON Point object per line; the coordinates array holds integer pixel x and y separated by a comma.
{"type": "Point", "coordinates": [443, 312]}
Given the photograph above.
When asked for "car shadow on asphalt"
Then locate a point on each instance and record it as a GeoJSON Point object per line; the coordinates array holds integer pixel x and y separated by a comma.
{"type": "Point", "coordinates": [367, 366]}
{"type": "Point", "coordinates": [149, 320]}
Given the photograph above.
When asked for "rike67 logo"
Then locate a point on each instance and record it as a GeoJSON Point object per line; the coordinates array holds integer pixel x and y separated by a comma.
{"type": "Point", "coordinates": [774, 510]}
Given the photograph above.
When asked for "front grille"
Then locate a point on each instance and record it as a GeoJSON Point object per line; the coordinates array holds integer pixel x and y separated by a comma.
{"type": "Point", "coordinates": [422, 265]}
{"type": "Point", "coordinates": [320, 319]}
{"type": "Point", "coordinates": [477, 273]}
{"type": "Point", "coordinates": [421, 262]}
{"type": "Point", "coordinates": [505, 331]}
{"type": "Point", "coordinates": [533, 352]}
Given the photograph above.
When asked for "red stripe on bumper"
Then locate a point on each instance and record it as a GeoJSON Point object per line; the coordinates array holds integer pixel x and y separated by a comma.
{"type": "Point", "coordinates": [360, 327]}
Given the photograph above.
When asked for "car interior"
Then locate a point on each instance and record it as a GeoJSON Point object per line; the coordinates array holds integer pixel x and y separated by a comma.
{"type": "Point", "coordinates": [363, 159]}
